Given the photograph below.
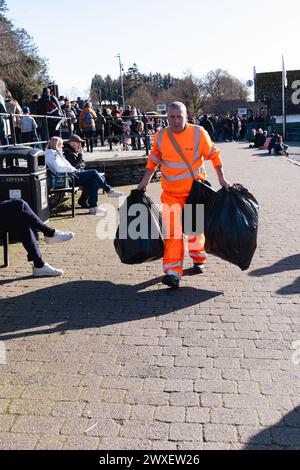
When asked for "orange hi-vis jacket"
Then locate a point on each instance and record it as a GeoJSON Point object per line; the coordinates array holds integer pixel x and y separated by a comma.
{"type": "Point", "coordinates": [196, 145]}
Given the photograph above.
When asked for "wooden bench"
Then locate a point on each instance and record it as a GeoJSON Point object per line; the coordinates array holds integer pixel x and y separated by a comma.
{"type": "Point", "coordinates": [71, 189]}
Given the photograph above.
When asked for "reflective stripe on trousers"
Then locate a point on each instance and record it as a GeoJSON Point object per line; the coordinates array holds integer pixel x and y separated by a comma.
{"type": "Point", "coordinates": [174, 243]}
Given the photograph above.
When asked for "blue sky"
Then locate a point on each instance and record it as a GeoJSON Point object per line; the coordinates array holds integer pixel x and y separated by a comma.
{"type": "Point", "coordinates": [81, 38]}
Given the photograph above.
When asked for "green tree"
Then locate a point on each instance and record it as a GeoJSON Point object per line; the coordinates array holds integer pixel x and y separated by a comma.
{"type": "Point", "coordinates": [105, 89]}
{"type": "Point", "coordinates": [3, 6]}
{"type": "Point", "coordinates": [133, 79]}
{"type": "Point", "coordinates": [21, 68]}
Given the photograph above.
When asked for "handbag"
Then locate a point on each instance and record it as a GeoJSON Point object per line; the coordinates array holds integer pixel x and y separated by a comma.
{"type": "Point", "coordinates": [200, 193]}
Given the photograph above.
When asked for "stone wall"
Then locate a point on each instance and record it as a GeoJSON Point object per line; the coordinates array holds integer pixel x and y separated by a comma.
{"type": "Point", "coordinates": [121, 171]}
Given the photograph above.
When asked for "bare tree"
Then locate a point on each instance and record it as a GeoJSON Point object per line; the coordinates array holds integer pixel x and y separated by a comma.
{"type": "Point", "coordinates": [142, 99]}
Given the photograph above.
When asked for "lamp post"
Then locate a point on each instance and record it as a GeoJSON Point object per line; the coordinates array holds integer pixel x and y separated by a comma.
{"type": "Point", "coordinates": [121, 79]}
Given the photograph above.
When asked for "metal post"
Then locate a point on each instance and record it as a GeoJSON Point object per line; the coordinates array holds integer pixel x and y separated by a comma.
{"type": "Point", "coordinates": [73, 197]}
{"type": "Point", "coordinates": [121, 79]}
{"type": "Point", "coordinates": [283, 110]}
{"type": "Point", "coordinates": [46, 129]}
{"type": "Point", "coordinates": [12, 129]}
{"type": "Point", "coordinates": [146, 133]}
{"type": "Point", "coordinates": [284, 84]}
{"type": "Point", "coordinates": [109, 128]}
{"type": "Point", "coordinates": [5, 246]}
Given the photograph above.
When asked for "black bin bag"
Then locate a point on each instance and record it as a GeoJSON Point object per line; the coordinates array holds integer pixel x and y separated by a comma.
{"type": "Point", "coordinates": [200, 194]}
{"type": "Point", "coordinates": [139, 237]}
{"type": "Point", "coordinates": [231, 223]}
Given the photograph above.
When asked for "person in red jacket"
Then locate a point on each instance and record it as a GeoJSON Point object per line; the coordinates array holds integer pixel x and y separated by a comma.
{"type": "Point", "coordinates": [176, 184]}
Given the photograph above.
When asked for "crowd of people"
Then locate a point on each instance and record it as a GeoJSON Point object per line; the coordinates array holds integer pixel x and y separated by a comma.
{"type": "Point", "coordinates": [230, 127]}
{"type": "Point", "coordinates": [66, 118]}
{"type": "Point", "coordinates": [234, 128]}
{"type": "Point", "coordinates": [114, 126]}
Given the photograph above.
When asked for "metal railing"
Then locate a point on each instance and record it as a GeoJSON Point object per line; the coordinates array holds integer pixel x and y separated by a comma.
{"type": "Point", "coordinates": [112, 130]}
{"type": "Point", "coordinates": [10, 127]}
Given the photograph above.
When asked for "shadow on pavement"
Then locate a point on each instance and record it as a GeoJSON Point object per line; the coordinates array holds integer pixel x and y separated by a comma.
{"type": "Point", "coordinates": [90, 304]}
{"type": "Point", "coordinates": [290, 289]}
{"type": "Point", "coordinates": [262, 154]}
{"type": "Point", "coordinates": [13, 280]}
{"type": "Point", "coordinates": [283, 435]}
{"type": "Point", "coordinates": [290, 263]}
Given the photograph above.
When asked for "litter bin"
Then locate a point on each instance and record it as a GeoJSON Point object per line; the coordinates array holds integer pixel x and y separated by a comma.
{"type": "Point", "coordinates": [23, 175]}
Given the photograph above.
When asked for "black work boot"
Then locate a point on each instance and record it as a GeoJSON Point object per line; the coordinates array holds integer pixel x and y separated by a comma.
{"type": "Point", "coordinates": [170, 280]}
{"type": "Point", "coordinates": [197, 269]}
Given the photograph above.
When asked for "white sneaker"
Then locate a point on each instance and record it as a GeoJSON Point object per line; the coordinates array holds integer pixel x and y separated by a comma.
{"type": "Point", "coordinates": [97, 211]}
{"type": "Point", "coordinates": [46, 270]}
{"type": "Point", "coordinates": [59, 237]}
{"type": "Point", "coordinates": [114, 193]}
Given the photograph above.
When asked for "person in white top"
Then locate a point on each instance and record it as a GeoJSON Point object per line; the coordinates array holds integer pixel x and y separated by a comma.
{"type": "Point", "coordinates": [91, 179]}
{"type": "Point", "coordinates": [28, 126]}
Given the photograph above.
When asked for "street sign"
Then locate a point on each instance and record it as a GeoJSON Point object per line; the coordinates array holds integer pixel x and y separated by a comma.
{"type": "Point", "coordinates": [162, 108]}
{"type": "Point", "coordinates": [242, 112]}
{"type": "Point", "coordinates": [249, 83]}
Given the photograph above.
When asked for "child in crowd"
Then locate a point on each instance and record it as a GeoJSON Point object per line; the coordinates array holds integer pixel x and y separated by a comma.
{"type": "Point", "coordinates": [28, 126]}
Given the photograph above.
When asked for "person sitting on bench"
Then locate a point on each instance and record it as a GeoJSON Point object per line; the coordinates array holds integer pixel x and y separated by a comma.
{"type": "Point", "coordinates": [16, 216]}
{"type": "Point", "coordinates": [91, 179]}
{"type": "Point", "coordinates": [73, 152]}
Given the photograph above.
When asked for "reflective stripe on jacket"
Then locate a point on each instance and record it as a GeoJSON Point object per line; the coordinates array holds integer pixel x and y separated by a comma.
{"type": "Point", "coordinates": [196, 146]}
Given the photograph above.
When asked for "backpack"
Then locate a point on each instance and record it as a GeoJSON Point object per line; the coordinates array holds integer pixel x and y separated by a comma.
{"type": "Point", "coordinates": [50, 106]}
{"type": "Point", "coordinates": [88, 119]}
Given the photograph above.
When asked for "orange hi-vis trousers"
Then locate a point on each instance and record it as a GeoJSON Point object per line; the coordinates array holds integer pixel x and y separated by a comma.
{"type": "Point", "coordinates": [174, 244]}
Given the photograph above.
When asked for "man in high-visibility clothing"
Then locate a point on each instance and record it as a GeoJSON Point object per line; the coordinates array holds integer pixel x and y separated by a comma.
{"type": "Point", "coordinates": [177, 180]}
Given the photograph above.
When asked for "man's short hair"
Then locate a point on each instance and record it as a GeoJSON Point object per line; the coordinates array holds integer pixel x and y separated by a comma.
{"type": "Point", "coordinates": [177, 105]}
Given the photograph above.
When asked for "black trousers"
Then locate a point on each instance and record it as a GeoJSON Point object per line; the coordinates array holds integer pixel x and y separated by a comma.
{"type": "Point", "coordinates": [89, 140]}
{"type": "Point", "coordinates": [16, 216]}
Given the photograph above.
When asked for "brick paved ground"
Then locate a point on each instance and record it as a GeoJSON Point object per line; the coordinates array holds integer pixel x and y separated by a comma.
{"type": "Point", "coordinates": [108, 358]}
